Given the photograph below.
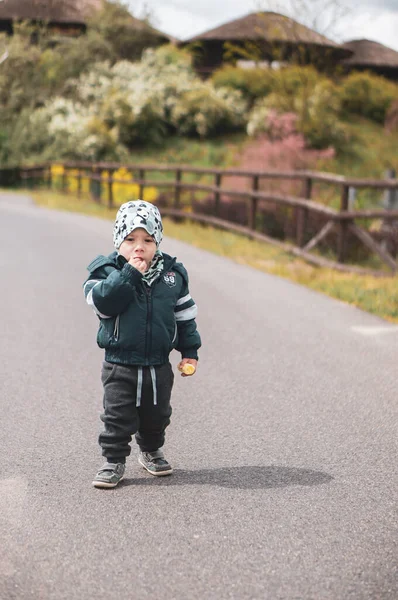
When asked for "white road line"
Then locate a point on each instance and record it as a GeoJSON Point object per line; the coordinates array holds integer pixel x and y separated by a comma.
{"type": "Point", "coordinates": [374, 330]}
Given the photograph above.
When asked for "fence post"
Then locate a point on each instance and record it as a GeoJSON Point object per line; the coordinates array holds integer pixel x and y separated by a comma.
{"type": "Point", "coordinates": [95, 186]}
{"type": "Point", "coordinates": [253, 203]}
{"type": "Point", "coordinates": [79, 183]}
{"type": "Point", "coordinates": [343, 225]}
{"type": "Point", "coordinates": [49, 177]}
{"type": "Point", "coordinates": [217, 195]}
{"type": "Point", "coordinates": [64, 179]}
{"type": "Point", "coordinates": [29, 179]}
{"type": "Point", "coordinates": [177, 189]}
{"type": "Point", "coordinates": [390, 202]}
{"type": "Point", "coordinates": [307, 188]}
{"type": "Point", "coordinates": [352, 197]}
{"type": "Point", "coordinates": [302, 214]}
{"type": "Point", "coordinates": [110, 188]}
{"type": "Point", "coordinates": [141, 177]}
{"type": "Point", "coordinates": [390, 196]}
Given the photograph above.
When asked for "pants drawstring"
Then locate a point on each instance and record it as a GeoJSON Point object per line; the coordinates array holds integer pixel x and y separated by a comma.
{"type": "Point", "coordinates": [153, 377]}
{"type": "Point", "coordinates": [139, 386]}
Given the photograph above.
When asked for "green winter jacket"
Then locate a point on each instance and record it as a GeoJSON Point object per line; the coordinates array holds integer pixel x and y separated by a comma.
{"type": "Point", "coordinates": [141, 324]}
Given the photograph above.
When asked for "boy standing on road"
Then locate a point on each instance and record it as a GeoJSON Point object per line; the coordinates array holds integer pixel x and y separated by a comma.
{"type": "Point", "coordinates": [142, 299]}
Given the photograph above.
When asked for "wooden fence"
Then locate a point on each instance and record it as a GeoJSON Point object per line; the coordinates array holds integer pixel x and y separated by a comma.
{"type": "Point", "coordinates": [345, 221]}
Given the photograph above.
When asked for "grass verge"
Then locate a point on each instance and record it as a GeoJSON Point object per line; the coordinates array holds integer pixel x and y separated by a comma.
{"type": "Point", "coordinates": [378, 296]}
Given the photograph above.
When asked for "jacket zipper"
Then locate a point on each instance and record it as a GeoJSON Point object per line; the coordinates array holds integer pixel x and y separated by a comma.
{"type": "Point", "coordinates": [148, 292]}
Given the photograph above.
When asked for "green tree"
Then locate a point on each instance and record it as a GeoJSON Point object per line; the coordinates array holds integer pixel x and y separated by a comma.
{"type": "Point", "coordinates": [127, 35]}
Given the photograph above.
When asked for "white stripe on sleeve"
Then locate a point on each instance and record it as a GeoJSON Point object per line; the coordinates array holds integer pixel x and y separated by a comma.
{"type": "Point", "coordinates": [90, 302]}
{"type": "Point", "coordinates": [183, 300]}
{"type": "Point", "coordinates": [92, 282]}
{"type": "Point", "coordinates": [187, 314]}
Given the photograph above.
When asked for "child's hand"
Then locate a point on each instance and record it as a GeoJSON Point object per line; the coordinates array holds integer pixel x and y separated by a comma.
{"type": "Point", "coordinates": [186, 371]}
{"type": "Point", "coordinates": [138, 263]}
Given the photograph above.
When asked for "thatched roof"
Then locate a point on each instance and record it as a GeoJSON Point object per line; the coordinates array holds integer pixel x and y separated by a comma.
{"type": "Point", "coordinates": [55, 11]}
{"type": "Point", "coordinates": [269, 26]}
{"type": "Point", "coordinates": [64, 12]}
{"type": "Point", "coordinates": [370, 54]}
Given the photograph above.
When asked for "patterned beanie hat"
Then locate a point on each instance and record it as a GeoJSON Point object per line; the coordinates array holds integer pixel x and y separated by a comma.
{"type": "Point", "coordinates": [135, 214]}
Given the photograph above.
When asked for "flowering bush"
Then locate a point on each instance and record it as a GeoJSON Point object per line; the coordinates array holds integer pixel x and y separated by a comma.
{"type": "Point", "coordinates": [277, 126]}
{"type": "Point", "coordinates": [314, 112]}
{"type": "Point", "coordinates": [72, 131]}
{"type": "Point", "coordinates": [145, 100]}
{"type": "Point", "coordinates": [113, 108]}
{"type": "Point", "coordinates": [206, 111]}
{"type": "Point", "coordinates": [320, 120]}
{"type": "Point", "coordinates": [126, 189]}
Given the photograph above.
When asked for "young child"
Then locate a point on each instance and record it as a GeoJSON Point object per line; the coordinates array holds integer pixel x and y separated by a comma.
{"type": "Point", "coordinates": [142, 299]}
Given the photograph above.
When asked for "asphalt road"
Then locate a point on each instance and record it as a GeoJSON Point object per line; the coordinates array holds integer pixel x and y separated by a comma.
{"type": "Point", "coordinates": [284, 444]}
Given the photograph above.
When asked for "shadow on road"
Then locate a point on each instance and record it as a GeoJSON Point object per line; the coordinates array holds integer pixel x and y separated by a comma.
{"type": "Point", "coordinates": [250, 477]}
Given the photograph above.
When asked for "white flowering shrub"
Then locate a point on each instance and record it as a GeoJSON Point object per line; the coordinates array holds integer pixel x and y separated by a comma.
{"type": "Point", "coordinates": [206, 111]}
{"type": "Point", "coordinates": [63, 129]}
{"type": "Point", "coordinates": [113, 108]}
{"type": "Point", "coordinates": [74, 132]}
{"type": "Point", "coordinates": [258, 119]}
{"type": "Point", "coordinates": [137, 99]}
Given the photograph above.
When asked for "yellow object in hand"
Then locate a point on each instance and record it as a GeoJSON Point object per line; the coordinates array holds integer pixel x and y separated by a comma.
{"type": "Point", "coordinates": [187, 369]}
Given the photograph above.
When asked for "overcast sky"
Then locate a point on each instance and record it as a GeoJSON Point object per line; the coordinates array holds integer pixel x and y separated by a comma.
{"type": "Point", "coordinates": [371, 19]}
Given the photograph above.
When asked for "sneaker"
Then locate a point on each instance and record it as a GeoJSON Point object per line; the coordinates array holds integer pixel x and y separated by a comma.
{"type": "Point", "coordinates": [155, 463]}
{"type": "Point", "coordinates": [109, 475]}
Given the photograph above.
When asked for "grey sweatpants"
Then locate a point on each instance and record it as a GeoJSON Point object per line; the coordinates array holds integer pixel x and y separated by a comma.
{"type": "Point", "coordinates": [136, 401]}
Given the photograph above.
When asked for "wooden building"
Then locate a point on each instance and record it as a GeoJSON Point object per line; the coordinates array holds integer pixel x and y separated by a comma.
{"type": "Point", "coordinates": [65, 17]}
{"type": "Point", "coordinates": [263, 36]}
{"type": "Point", "coordinates": [372, 56]}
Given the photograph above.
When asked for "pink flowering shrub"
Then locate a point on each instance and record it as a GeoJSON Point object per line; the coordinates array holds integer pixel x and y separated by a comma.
{"type": "Point", "coordinates": [281, 126]}
{"type": "Point", "coordinates": [281, 148]}
{"type": "Point", "coordinates": [313, 111]}
{"type": "Point", "coordinates": [288, 154]}
{"type": "Point", "coordinates": [282, 145]}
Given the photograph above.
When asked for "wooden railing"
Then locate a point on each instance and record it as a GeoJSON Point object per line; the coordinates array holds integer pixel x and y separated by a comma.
{"type": "Point", "coordinates": [344, 220]}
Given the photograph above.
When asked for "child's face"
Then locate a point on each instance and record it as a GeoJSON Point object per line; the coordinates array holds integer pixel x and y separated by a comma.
{"type": "Point", "coordinates": [138, 244]}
